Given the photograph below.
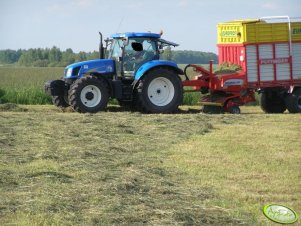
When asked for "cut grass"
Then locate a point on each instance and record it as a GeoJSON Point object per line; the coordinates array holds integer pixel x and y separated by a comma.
{"type": "Point", "coordinates": [253, 160]}
{"type": "Point", "coordinates": [123, 168]}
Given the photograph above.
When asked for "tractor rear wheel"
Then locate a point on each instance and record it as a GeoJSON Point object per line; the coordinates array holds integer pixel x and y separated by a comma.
{"type": "Point", "coordinates": [293, 101]}
{"type": "Point", "coordinates": [88, 94]}
{"type": "Point", "coordinates": [160, 91]}
{"type": "Point", "coordinates": [271, 102]}
{"type": "Point", "coordinates": [60, 101]}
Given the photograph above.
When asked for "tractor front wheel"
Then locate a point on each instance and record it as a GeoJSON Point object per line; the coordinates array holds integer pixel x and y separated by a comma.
{"type": "Point", "coordinates": [160, 91]}
{"type": "Point", "coordinates": [60, 101]}
{"type": "Point", "coordinates": [88, 94]}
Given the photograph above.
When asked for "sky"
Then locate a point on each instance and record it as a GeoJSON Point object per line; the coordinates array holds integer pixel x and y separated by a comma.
{"type": "Point", "coordinates": [75, 23]}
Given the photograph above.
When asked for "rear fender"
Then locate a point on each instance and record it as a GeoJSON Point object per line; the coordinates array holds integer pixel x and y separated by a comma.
{"type": "Point", "coordinates": [154, 64]}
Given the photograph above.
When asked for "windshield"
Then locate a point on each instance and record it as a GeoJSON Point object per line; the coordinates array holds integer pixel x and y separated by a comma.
{"type": "Point", "coordinates": [148, 45]}
{"type": "Point", "coordinates": [129, 54]}
{"type": "Point", "coordinates": [115, 50]}
{"type": "Point", "coordinates": [139, 51]}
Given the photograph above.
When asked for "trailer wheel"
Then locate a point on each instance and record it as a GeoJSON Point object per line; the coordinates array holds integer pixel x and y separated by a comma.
{"type": "Point", "coordinates": [271, 102]}
{"type": "Point", "coordinates": [234, 110]}
{"type": "Point", "coordinates": [293, 101]}
{"type": "Point", "coordinates": [60, 101]}
{"type": "Point", "coordinates": [160, 91]}
{"type": "Point", "coordinates": [88, 94]}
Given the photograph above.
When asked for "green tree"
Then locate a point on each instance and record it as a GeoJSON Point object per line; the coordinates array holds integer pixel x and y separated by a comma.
{"type": "Point", "coordinates": [27, 58]}
{"type": "Point", "coordinates": [93, 55]}
{"type": "Point", "coordinates": [167, 54]}
{"type": "Point", "coordinates": [68, 57]}
{"type": "Point", "coordinates": [81, 56]}
{"type": "Point", "coordinates": [9, 56]}
{"type": "Point", "coordinates": [55, 56]}
{"type": "Point", "coordinates": [193, 57]}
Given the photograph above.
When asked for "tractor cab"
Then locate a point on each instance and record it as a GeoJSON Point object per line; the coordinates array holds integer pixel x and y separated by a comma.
{"type": "Point", "coordinates": [131, 50]}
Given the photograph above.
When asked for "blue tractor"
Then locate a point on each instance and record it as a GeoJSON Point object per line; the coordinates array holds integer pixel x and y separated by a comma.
{"type": "Point", "coordinates": [129, 70]}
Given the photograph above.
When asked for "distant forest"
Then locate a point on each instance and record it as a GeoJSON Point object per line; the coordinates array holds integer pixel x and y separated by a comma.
{"type": "Point", "coordinates": [54, 57]}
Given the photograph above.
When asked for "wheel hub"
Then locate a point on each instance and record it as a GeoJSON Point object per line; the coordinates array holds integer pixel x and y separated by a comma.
{"type": "Point", "coordinates": [161, 91]}
{"type": "Point", "coordinates": [89, 96]}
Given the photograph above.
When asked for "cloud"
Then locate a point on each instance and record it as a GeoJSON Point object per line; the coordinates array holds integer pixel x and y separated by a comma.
{"type": "Point", "coordinates": [269, 6]}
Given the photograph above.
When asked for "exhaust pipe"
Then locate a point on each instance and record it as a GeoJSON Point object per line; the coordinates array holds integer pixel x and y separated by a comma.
{"type": "Point", "coordinates": [101, 49]}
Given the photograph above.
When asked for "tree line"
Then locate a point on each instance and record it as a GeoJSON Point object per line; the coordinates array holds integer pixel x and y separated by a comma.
{"type": "Point", "coordinates": [189, 56]}
{"type": "Point", "coordinates": [54, 57]}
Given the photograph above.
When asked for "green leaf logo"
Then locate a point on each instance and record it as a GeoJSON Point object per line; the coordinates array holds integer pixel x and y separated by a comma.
{"type": "Point", "coordinates": [280, 214]}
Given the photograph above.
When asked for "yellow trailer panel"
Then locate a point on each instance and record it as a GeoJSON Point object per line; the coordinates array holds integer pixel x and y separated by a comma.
{"type": "Point", "coordinates": [257, 31]}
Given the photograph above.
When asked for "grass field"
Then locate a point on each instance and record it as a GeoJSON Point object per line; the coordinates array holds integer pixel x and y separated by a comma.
{"type": "Point", "coordinates": [124, 168]}
{"type": "Point", "coordinates": [25, 85]}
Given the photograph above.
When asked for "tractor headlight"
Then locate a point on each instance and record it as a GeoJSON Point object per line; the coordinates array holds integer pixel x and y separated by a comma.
{"type": "Point", "coordinates": [69, 72]}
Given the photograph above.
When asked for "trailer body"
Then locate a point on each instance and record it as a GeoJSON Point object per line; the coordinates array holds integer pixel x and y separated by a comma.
{"type": "Point", "coordinates": [269, 53]}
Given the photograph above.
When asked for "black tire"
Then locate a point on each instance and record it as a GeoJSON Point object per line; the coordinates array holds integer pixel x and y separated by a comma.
{"type": "Point", "coordinates": [234, 110]}
{"type": "Point", "coordinates": [212, 109]}
{"type": "Point", "coordinates": [160, 91]}
{"type": "Point", "coordinates": [88, 94]}
{"type": "Point", "coordinates": [293, 101]}
{"type": "Point", "coordinates": [271, 102]}
{"type": "Point", "coordinates": [60, 101]}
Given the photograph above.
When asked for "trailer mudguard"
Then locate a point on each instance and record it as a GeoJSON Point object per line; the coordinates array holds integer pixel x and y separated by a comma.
{"type": "Point", "coordinates": [156, 63]}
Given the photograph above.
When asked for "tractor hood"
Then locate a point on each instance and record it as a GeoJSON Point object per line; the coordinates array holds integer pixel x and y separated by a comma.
{"type": "Point", "coordinates": [79, 69]}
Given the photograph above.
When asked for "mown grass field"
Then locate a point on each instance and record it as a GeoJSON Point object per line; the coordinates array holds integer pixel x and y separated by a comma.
{"type": "Point", "coordinates": [126, 168]}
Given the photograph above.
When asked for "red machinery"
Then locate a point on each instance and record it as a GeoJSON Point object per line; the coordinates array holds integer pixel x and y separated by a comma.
{"type": "Point", "coordinates": [226, 92]}
{"type": "Point", "coordinates": [270, 57]}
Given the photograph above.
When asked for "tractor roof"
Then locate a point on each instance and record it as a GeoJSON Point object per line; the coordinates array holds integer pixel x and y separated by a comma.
{"type": "Point", "coordinates": [136, 34]}
{"type": "Point", "coordinates": [144, 35]}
